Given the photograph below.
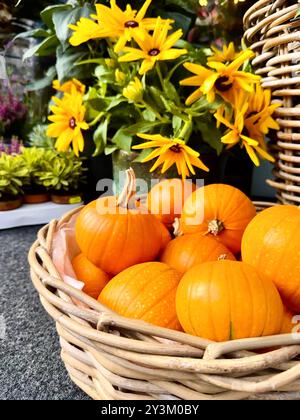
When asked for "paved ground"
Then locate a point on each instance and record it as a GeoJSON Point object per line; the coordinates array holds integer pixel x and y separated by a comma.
{"type": "Point", "coordinates": [30, 365]}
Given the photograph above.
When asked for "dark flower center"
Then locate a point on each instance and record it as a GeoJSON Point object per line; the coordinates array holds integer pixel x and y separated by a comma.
{"type": "Point", "coordinates": [176, 148]}
{"type": "Point", "coordinates": [132, 24]}
{"type": "Point", "coordinates": [154, 52]}
{"type": "Point", "coordinates": [72, 123]}
{"type": "Point", "coordinates": [222, 84]}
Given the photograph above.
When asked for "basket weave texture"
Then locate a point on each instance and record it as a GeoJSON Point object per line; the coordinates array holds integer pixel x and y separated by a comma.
{"type": "Point", "coordinates": [114, 358]}
{"type": "Point", "coordinates": [273, 32]}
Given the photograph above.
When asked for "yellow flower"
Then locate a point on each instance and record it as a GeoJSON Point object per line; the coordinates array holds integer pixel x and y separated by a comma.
{"type": "Point", "coordinates": [224, 80]}
{"type": "Point", "coordinates": [170, 152]}
{"type": "Point", "coordinates": [134, 91]}
{"type": "Point", "coordinates": [155, 47]}
{"type": "Point", "coordinates": [120, 76]}
{"type": "Point", "coordinates": [68, 120]}
{"type": "Point", "coordinates": [238, 132]}
{"type": "Point", "coordinates": [69, 86]}
{"type": "Point", "coordinates": [85, 30]}
{"type": "Point", "coordinates": [203, 3]}
{"type": "Point", "coordinates": [225, 55]}
{"type": "Point", "coordinates": [112, 22]}
{"type": "Point", "coordinates": [110, 63]}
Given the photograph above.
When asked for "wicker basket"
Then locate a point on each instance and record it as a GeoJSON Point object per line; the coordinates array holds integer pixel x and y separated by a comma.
{"type": "Point", "coordinates": [113, 358]}
{"type": "Point", "coordinates": [274, 34]}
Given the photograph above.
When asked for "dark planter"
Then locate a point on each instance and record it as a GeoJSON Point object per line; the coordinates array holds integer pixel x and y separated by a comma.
{"type": "Point", "coordinates": [10, 203]}
{"type": "Point", "coordinates": [36, 195]}
{"type": "Point", "coordinates": [66, 197]}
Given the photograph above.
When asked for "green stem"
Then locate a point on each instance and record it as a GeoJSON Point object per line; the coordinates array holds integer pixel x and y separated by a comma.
{"type": "Point", "coordinates": [95, 120]}
{"type": "Point", "coordinates": [186, 131]}
{"type": "Point", "coordinates": [160, 76]}
{"type": "Point", "coordinates": [157, 114]}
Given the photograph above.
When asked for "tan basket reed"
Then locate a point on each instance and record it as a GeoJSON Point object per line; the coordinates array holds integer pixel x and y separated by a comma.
{"type": "Point", "coordinates": [114, 358]}
{"type": "Point", "coordinates": [274, 34]}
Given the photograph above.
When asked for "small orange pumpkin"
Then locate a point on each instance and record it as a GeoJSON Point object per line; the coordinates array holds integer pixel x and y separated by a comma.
{"type": "Point", "coordinates": [94, 278]}
{"type": "Point", "coordinates": [218, 210]}
{"type": "Point", "coordinates": [145, 291]}
{"type": "Point", "coordinates": [228, 300]}
{"type": "Point", "coordinates": [187, 251]}
{"type": "Point", "coordinates": [271, 245]}
{"type": "Point", "coordinates": [165, 237]}
{"type": "Point", "coordinates": [166, 199]}
{"type": "Point", "coordinates": [114, 234]}
{"type": "Point", "coordinates": [290, 322]}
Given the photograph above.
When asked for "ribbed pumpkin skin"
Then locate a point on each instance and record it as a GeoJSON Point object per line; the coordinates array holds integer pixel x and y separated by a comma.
{"type": "Point", "coordinates": [93, 277]}
{"type": "Point", "coordinates": [228, 300]}
{"type": "Point", "coordinates": [146, 292]}
{"type": "Point", "coordinates": [224, 204]}
{"type": "Point", "coordinates": [271, 244]}
{"type": "Point", "coordinates": [165, 237]}
{"type": "Point", "coordinates": [166, 199]}
{"type": "Point", "coordinates": [188, 251]}
{"type": "Point", "coordinates": [288, 324]}
{"type": "Point", "coordinates": [115, 241]}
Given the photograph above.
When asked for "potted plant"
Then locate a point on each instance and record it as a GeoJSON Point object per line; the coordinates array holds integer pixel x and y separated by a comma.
{"type": "Point", "coordinates": [36, 162]}
{"type": "Point", "coordinates": [13, 175]}
{"type": "Point", "coordinates": [64, 176]}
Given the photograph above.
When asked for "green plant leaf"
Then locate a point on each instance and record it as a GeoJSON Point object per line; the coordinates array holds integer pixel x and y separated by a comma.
{"type": "Point", "coordinates": [143, 155]}
{"type": "Point", "coordinates": [210, 135]}
{"type": "Point", "coordinates": [110, 149]}
{"type": "Point", "coordinates": [34, 33]}
{"type": "Point", "coordinates": [122, 140]}
{"type": "Point", "coordinates": [63, 18]}
{"type": "Point", "coordinates": [65, 63]}
{"type": "Point", "coordinates": [100, 137]}
{"type": "Point", "coordinates": [47, 14]}
{"type": "Point", "coordinates": [45, 48]}
{"type": "Point", "coordinates": [142, 127]}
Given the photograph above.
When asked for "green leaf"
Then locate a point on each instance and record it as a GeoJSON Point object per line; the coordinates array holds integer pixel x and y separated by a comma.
{"type": "Point", "coordinates": [65, 63]}
{"type": "Point", "coordinates": [210, 134]}
{"type": "Point", "coordinates": [34, 33]}
{"type": "Point", "coordinates": [63, 18]}
{"type": "Point", "coordinates": [143, 155]}
{"type": "Point", "coordinates": [44, 82]}
{"type": "Point", "coordinates": [149, 115]}
{"type": "Point", "coordinates": [45, 48]}
{"type": "Point", "coordinates": [47, 14]}
{"type": "Point", "coordinates": [176, 123]}
{"type": "Point", "coordinates": [190, 6]}
{"type": "Point", "coordinates": [122, 140]}
{"type": "Point", "coordinates": [142, 127]}
{"type": "Point", "coordinates": [117, 100]}
{"type": "Point", "coordinates": [110, 149]}
{"type": "Point", "coordinates": [100, 137]}
{"type": "Point", "coordinates": [171, 92]}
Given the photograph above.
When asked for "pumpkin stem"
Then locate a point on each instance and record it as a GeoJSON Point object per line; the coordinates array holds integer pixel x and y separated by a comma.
{"type": "Point", "coordinates": [223, 257]}
{"type": "Point", "coordinates": [129, 190]}
{"type": "Point", "coordinates": [215, 227]}
{"type": "Point", "coordinates": [177, 228]}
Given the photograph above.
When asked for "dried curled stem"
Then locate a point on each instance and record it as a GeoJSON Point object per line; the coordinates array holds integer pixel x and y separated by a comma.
{"type": "Point", "coordinates": [126, 197]}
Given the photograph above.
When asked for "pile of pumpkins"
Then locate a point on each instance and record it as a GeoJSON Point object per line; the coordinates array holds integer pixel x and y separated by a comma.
{"type": "Point", "coordinates": [228, 274]}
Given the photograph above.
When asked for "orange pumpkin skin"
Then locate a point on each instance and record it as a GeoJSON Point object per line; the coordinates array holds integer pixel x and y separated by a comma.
{"type": "Point", "coordinates": [146, 292]}
{"type": "Point", "coordinates": [290, 322]}
{"type": "Point", "coordinates": [271, 244]}
{"type": "Point", "coordinates": [218, 210]}
{"type": "Point", "coordinates": [166, 199]}
{"type": "Point", "coordinates": [228, 300]}
{"type": "Point", "coordinates": [93, 277]}
{"type": "Point", "coordinates": [165, 237]}
{"type": "Point", "coordinates": [115, 240]}
{"type": "Point", "coordinates": [187, 251]}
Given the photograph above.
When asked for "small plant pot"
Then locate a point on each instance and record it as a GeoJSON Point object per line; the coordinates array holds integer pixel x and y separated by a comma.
{"type": "Point", "coordinates": [66, 198]}
{"type": "Point", "coordinates": [37, 198]}
{"type": "Point", "coordinates": [11, 204]}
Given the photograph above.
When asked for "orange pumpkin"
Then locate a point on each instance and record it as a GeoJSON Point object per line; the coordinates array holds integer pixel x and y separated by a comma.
{"type": "Point", "coordinates": [218, 210]}
{"type": "Point", "coordinates": [145, 291]}
{"type": "Point", "coordinates": [187, 251]}
{"type": "Point", "coordinates": [114, 234]}
{"type": "Point", "coordinates": [228, 300]}
{"type": "Point", "coordinates": [166, 199]}
{"type": "Point", "coordinates": [165, 237]}
{"type": "Point", "coordinates": [290, 322]}
{"type": "Point", "coordinates": [94, 278]}
{"type": "Point", "coordinates": [271, 244]}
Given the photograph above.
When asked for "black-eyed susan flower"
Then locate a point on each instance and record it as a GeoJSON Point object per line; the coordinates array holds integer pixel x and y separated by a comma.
{"type": "Point", "coordinates": [113, 22]}
{"type": "Point", "coordinates": [154, 47]}
{"type": "Point", "coordinates": [120, 76]}
{"type": "Point", "coordinates": [171, 152]}
{"type": "Point", "coordinates": [68, 121]}
{"type": "Point", "coordinates": [69, 86]}
{"type": "Point", "coordinates": [224, 55]}
{"type": "Point", "coordinates": [225, 80]}
{"type": "Point", "coordinates": [238, 132]}
{"type": "Point", "coordinates": [134, 91]}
